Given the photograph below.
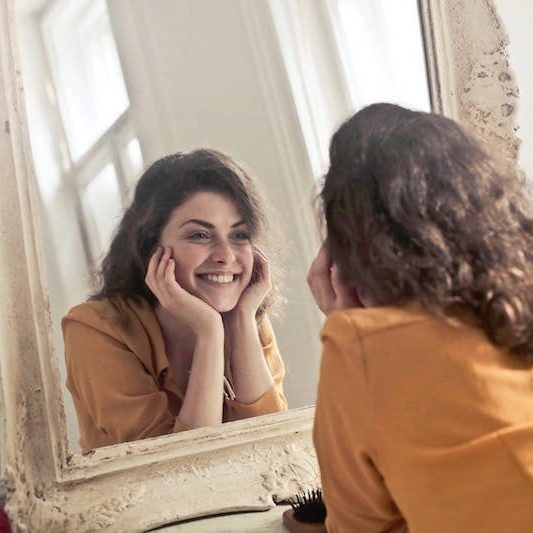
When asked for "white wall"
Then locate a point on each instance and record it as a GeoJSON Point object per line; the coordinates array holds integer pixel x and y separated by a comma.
{"type": "Point", "coordinates": [517, 17]}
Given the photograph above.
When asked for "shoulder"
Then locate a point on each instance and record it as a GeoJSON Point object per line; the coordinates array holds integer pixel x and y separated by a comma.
{"type": "Point", "coordinates": [93, 328]}
{"type": "Point", "coordinates": [398, 334]}
{"type": "Point", "coordinates": [387, 338]}
{"type": "Point", "coordinates": [112, 317]}
{"type": "Point", "coordinates": [366, 322]}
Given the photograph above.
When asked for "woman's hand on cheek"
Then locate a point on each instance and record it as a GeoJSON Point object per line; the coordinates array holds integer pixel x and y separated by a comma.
{"type": "Point", "coordinates": [259, 286]}
{"type": "Point", "coordinates": [329, 290]}
{"type": "Point", "coordinates": [187, 308]}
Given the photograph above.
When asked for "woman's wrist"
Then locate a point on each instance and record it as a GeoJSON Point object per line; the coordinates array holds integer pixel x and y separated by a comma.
{"type": "Point", "coordinates": [214, 327]}
{"type": "Point", "coordinates": [237, 322]}
{"type": "Point", "coordinates": [240, 316]}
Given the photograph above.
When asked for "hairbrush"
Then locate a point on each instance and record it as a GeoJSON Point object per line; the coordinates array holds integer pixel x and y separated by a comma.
{"type": "Point", "coordinates": [307, 513]}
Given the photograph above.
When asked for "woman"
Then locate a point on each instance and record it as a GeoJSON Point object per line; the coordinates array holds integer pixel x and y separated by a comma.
{"type": "Point", "coordinates": [177, 336]}
{"type": "Point", "coordinates": [424, 418]}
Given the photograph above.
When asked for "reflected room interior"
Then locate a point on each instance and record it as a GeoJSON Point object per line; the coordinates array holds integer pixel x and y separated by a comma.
{"type": "Point", "coordinates": [112, 86]}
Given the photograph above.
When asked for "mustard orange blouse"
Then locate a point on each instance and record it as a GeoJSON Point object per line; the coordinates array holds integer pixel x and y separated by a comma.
{"type": "Point", "coordinates": [119, 378]}
{"type": "Point", "coordinates": [422, 425]}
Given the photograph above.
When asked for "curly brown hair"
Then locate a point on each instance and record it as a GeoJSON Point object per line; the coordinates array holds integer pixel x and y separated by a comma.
{"type": "Point", "coordinates": [417, 210]}
{"type": "Point", "coordinates": [165, 185]}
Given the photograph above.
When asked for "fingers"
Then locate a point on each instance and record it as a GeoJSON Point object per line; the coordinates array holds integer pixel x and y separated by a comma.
{"type": "Point", "coordinates": [336, 281]}
{"type": "Point", "coordinates": [323, 261]}
{"type": "Point", "coordinates": [319, 280]}
{"type": "Point", "coordinates": [343, 293]}
{"type": "Point", "coordinates": [150, 278]}
{"type": "Point", "coordinates": [259, 253]}
{"type": "Point", "coordinates": [163, 263]}
{"type": "Point", "coordinates": [169, 282]}
{"type": "Point", "coordinates": [261, 267]}
{"type": "Point", "coordinates": [152, 264]}
{"type": "Point", "coordinates": [160, 276]}
{"type": "Point", "coordinates": [260, 283]}
{"type": "Point", "coordinates": [330, 290]}
{"type": "Point", "coordinates": [323, 293]}
{"type": "Point", "coordinates": [321, 265]}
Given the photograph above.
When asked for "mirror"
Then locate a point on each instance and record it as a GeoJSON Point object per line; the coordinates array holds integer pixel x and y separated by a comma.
{"type": "Point", "coordinates": [246, 465]}
{"type": "Point", "coordinates": [112, 86]}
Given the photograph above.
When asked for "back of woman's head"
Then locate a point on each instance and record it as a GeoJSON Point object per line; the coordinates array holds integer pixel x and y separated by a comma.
{"type": "Point", "coordinates": [165, 185]}
{"type": "Point", "coordinates": [416, 210]}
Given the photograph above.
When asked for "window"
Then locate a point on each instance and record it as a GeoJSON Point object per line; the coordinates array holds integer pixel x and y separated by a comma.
{"type": "Point", "coordinates": [341, 55]}
{"type": "Point", "coordinates": [85, 71]}
{"type": "Point", "coordinates": [101, 153]}
{"type": "Point", "coordinates": [381, 49]}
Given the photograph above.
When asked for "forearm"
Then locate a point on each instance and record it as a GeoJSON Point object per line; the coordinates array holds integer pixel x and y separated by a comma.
{"type": "Point", "coordinates": [250, 372]}
{"type": "Point", "coordinates": [202, 404]}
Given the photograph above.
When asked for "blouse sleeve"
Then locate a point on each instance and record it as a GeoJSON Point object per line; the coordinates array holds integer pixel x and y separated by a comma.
{"type": "Point", "coordinates": [273, 400]}
{"type": "Point", "coordinates": [354, 490]}
{"type": "Point", "coordinates": [110, 384]}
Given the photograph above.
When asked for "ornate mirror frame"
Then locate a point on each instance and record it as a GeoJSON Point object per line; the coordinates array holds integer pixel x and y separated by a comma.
{"type": "Point", "coordinates": [247, 465]}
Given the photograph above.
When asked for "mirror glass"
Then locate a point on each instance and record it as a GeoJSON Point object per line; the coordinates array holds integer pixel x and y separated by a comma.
{"type": "Point", "coordinates": [111, 87]}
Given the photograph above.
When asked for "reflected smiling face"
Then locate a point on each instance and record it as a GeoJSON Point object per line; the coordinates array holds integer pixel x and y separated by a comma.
{"type": "Point", "coordinates": [212, 249]}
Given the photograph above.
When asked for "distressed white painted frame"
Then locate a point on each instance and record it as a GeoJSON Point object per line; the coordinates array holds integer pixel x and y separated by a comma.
{"type": "Point", "coordinates": [241, 466]}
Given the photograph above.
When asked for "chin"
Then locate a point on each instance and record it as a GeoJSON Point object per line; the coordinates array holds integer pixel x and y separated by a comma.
{"type": "Point", "coordinates": [220, 304]}
{"type": "Point", "coordinates": [223, 307]}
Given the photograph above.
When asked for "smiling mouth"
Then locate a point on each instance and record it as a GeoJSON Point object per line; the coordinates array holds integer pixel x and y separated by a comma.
{"type": "Point", "coordinates": [222, 279]}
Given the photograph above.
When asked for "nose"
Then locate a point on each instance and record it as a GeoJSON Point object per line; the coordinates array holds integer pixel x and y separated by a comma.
{"type": "Point", "coordinates": [222, 252]}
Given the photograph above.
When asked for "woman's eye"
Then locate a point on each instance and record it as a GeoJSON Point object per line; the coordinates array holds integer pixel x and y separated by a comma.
{"type": "Point", "coordinates": [242, 236]}
{"type": "Point", "coordinates": [199, 236]}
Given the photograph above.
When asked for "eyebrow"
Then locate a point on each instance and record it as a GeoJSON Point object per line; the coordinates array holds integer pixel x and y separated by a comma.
{"type": "Point", "coordinates": [208, 225]}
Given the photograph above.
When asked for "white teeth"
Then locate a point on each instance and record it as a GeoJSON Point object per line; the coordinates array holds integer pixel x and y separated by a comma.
{"type": "Point", "coordinates": [217, 278]}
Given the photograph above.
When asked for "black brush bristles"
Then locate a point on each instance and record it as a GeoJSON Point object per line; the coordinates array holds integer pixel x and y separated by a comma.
{"type": "Point", "coordinates": [309, 507]}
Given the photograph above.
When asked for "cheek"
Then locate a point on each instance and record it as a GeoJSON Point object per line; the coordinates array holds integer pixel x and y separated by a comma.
{"type": "Point", "coordinates": [182, 273]}
{"type": "Point", "coordinates": [186, 262]}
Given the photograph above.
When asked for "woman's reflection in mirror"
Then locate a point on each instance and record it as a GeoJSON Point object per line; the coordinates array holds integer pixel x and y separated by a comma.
{"type": "Point", "coordinates": [176, 336]}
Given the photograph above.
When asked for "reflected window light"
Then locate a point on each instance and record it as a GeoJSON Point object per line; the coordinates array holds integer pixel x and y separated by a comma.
{"type": "Point", "coordinates": [85, 69]}
{"type": "Point", "coordinates": [132, 162]}
{"type": "Point", "coordinates": [101, 203]}
{"type": "Point", "coordinates": [341, 55]}
{"type": "Point", "coordinates": [134, 158]}
{"type": "Point", "coordinates": [382, 52]}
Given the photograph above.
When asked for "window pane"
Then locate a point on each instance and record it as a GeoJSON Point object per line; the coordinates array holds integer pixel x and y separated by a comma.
{"type": "Point", "coordinates": [85, 69]}
{"type": "Point", "coordinates": [133, 159]}
{"type": "Point", "coordinates": [132, 163]}
{"type": "Point", "coordinates": [384, 52]}
{"type": "Point", "coordinates": [102, 207]}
